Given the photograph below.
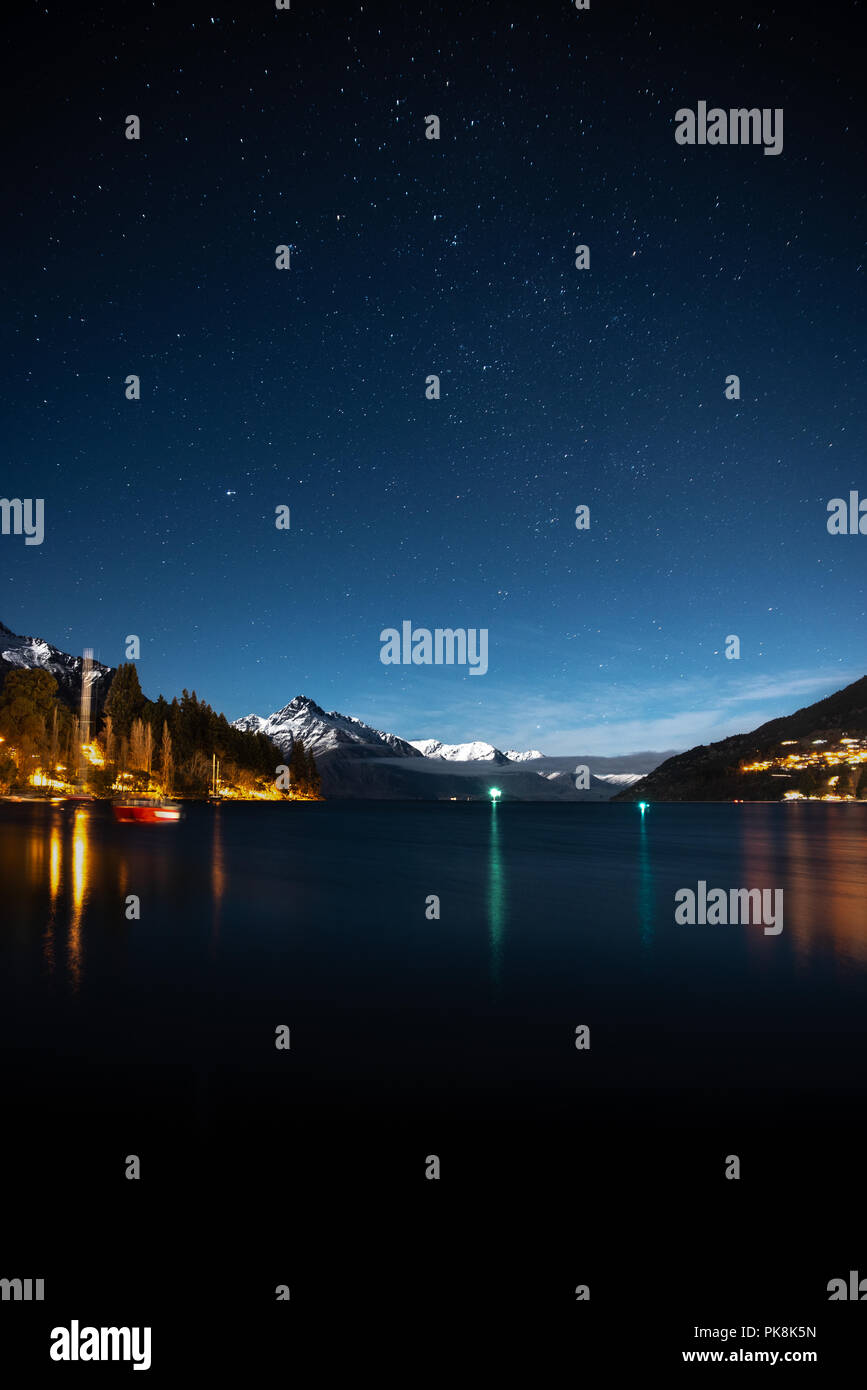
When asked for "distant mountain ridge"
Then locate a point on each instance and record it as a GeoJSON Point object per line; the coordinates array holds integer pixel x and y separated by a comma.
{"type": "Point", "coordinates": [709, 772]}
{"type": "Point", "coordinates": [321, 732]}
{"type": "Point", "coordinates": [32, 653]}
{"type": "Point", "coordinates": [472, 752]}
{"type": "Point", "coordinates": [324, 732]}
{"type": "Point", "coordinates": [357, 760]}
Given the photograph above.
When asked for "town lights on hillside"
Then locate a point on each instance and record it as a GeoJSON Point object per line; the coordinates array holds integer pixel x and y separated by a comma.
{"type": "Point", "coordinates": [495, 794]}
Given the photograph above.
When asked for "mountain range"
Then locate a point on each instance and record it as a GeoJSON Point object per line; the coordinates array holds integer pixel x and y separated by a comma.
{"type": "Point", "coordinates": [472, 752]}
{"type": "Point", "coordinates": [711, 772]}
{"type": "Point", "coordinates": [356, 760]}
{"type": "Point", "coordinates": [35, 654]}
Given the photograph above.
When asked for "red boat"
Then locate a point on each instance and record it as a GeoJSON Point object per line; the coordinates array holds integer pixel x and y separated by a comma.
{"type": "Point", "coordinates": [144, 811]}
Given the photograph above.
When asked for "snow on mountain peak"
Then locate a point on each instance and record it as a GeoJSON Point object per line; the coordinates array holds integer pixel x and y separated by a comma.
{"type": "Point", "coordinates": [458, 752]}
{"type": "Point", "coordinates": [471, 752]}
{"type": "Point", "coordinates": [34, 653]}
{"type": "Point", "coordinates": [303, 719]}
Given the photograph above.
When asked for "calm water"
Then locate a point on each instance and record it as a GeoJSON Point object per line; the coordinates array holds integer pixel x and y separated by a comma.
{"type": "Point", "coordinates": [454, 1036]}
{"type": "Point", "coordinates": [314, 916]}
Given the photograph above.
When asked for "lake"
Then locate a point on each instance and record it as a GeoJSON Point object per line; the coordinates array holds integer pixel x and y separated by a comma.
{"type": "Point", "coordinates": [412, 1035]}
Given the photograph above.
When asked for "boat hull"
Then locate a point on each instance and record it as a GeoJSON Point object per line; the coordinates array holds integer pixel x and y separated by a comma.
{"type": "Point", "coordinates": [146, 815]}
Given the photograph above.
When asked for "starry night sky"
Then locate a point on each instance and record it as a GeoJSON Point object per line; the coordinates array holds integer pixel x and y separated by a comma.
{"type": "Point", "coordinates": [411, 257]}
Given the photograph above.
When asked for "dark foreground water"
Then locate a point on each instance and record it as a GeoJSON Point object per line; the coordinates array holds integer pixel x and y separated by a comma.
{"type": "Point", "coordinates": [412, 1037]}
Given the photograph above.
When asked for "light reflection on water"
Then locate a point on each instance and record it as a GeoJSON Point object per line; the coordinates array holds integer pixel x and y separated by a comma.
{"type": "Point", "coordinates": [80, 865]}
{"type": "Point", "coordinates": [68, 871]}
{"type": "Point", "coordinates": [55, 861]}
{"type": "Point", "coordinates": [496, 899]}
{"type": "Point", "coordinates": [822, 861]}
{"type": "Point", "coordinates": [251, 914]}
{"type": "Point", "coordinates": [61, 843]}
{"type": "Point", "coordinates": [645, 887]}
{"type": "Point", "coordinates": [218, 878]}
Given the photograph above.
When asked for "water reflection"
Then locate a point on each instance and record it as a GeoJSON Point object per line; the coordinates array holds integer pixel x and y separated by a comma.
{"type": "Point", "coordinates": [763, 837]}
{"type": "Point", "coordinates": [645, 887]}
{"type": "Point", "coordinates": [845, 915]}
{"type": "Point", "coordinates": [496, 897]}
{"type": "Point", "coordinates": [80, 869]}
{"type": "Point", "coordinates": [66, 872]}
{"type": "Point", "coordinates": [803, 906]}
{"type": "Point", "coordinates": [55, 859]}
{"type": "Point", "coordinates": [826, 872]}
{"type": "Point", "coordinates": [55, 854]}
{"type": "Point", "coordinates": [218, 876]}
{"type": "Point", "coordinates": [58, 857]}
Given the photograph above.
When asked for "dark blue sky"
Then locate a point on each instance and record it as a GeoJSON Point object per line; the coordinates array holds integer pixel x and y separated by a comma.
{"type": "Point", "coordinates": [409, 257]}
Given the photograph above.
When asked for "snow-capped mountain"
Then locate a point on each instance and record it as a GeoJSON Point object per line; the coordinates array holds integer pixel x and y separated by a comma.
{"type": "Point", "coordinates": [325, 732]}
{"type": "Point", "coordinates": [471, 752]}
{"type": "Point", "coordinates": [322, 733]}
{"type": "Point", "coordinates": [33, 653]}
{"type": "Point", "coordinates": [458, 752]}
{"type": "Point", "coordinates": [357, 760]}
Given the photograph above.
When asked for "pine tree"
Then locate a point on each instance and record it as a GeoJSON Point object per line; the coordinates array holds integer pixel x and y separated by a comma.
{"type": "Point", "coordinates": [54, 746]}
{"type": "Point", "coordinates": [125, 700]}
{"type": "Point", "coordinates": [137, 750]}
{"type": "Point", "coordinates": [157, 715]}
{"type": "Point", "coordinates": [298, 767]}
{"type": "Point", "coordinates": [72, 741]}
{"type": "Point", "coordinates": [26, 707]}
{"type": "Point", "coordinates": [313, 779]}
{"type": "Point", "coordinates": [167, 762]}
{"type": "Point", "coordinates": [108, 739]}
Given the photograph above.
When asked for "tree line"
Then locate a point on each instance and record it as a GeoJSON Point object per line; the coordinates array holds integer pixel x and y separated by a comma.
{"type": "Point", "coordinates": [170, 743]}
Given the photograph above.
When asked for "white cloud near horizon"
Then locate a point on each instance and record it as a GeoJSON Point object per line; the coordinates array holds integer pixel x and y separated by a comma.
{"type": "Point", "coordinates": [617, 720]}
